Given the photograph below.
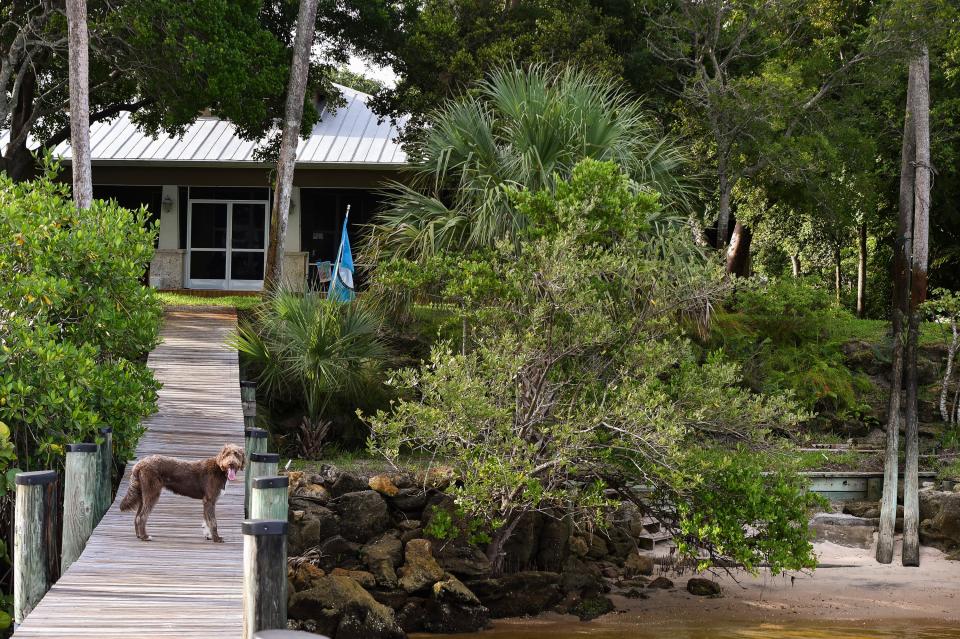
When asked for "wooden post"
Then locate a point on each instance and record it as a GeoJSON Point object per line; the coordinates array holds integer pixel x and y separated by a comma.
{"type": "Point", "coordinates": [874, 488]}
{"type": "Point", "coordinates": [259, 465]}
{"type": "Point", "coordinates": [34, 546]}
{"type": "Point", "coordinates": [79, 501]}
{"type": "Point", "coordinates": [255, 441]}
{"type": "Point", "coordinates": [105, 476]}
{"type": "Point", "coordinates": [269, 498]}
{"type": "Point", "coordinates": [264, 575]}
{"type": "Point", "coordinates": [248, 398]}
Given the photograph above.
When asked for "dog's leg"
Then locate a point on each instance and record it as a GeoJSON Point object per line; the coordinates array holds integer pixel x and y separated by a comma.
{"type": "Point", "coordinates": [150, 495]}
{"type": "Point", "coordinates": [210, 519]}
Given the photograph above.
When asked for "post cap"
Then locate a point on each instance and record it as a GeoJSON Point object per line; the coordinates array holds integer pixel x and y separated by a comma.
{"type": "Point", "coordinates": [270, 458]}
{"type": "Point", "coordinates": [255, 433]}
{"type": "Point", "coordinates": [279, 481]}
{"type": "Point", "coordinates": [260, 527]}
{"type": "Point", "coordinates": [35, 478]}
{"type": "Point", "coordinates": [248, 384]}
{"type": "Point", "coordinates": [85, 447]}
{"type": "Point", "coordinates": [106, 430]}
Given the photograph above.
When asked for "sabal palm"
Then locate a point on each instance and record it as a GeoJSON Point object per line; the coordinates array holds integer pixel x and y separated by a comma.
{"type": "Point", "coordinates": [521, 128]}
{"type": "Point", "coordinates": [313, 349]}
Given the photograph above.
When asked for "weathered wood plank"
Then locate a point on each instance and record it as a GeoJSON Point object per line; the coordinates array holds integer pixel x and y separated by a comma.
{"type": "Point", "coordinates": [178, 585]}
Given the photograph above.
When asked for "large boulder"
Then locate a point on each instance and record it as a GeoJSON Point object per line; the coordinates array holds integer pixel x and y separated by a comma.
{"type": "Point", "coordinates": [304, 576]}
{"type": "Point", "coordinates": [703, 587]}
{"type": "Point", "coordinates": [340, 483]}
{"type": "Point", "coordinates": [554, 545]}
{"type": "Point", "coordinates": [637, 564]}
{"type": "Point", "coordinates": [940, 519]}
{"type": "Point", "coordinates": [409, 500]}
{"type": "Point", "coordinates": [420, 570]}
{"type": "Point", "coordinates": [462, 559]}
{"type": "Point", "coordinates": [312, 528]}
{"type": "Point", "coordinates": [339, 607]}
{"type": "Point", "coordinates": [843, 530]}
{"type": "Point", "coordinates": [339, 552]}
{"type": "Point", "coordinates": [518, 594]}
{"type": "Point", "coordinates": [384, 485]}
{"type": "Point", "coordinates": [363, 515]}
{"type": "Point", "coordinates": [521, 547]}
{"type": "Point", "coordinates": [582, 577]}
{"type": "Point", "coordinates": [433, 614]}
{"type": "Point", "coordinates": [382, 556]}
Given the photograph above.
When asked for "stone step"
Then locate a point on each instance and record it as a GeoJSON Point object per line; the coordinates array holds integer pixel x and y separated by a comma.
{"type": "Point", "coordinates": [650, 540]}
{"type": "Point", "coordinates": [651, 525]}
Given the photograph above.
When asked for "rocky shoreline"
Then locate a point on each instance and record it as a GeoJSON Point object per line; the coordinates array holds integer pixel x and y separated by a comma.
{"type": "Point", "coordinates": [377, 557]}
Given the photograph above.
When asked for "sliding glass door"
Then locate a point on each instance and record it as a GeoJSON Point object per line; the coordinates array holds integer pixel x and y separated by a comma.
{"type": "Point", "coordinates": [226, 244]}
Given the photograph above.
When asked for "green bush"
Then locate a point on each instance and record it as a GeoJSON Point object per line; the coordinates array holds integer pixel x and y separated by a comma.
{"type": "Point", "coordinates": [317, 358]}
{"type": "Point", "coordinates": [75, 321]}
{"type": "Point", "coordinates": [786, 333]}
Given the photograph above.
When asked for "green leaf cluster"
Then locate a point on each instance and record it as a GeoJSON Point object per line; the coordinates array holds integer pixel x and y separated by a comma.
{"type": "Point", "coordinates": [76, 322]}
{"type": "Point", "coordinates": [578, 376]}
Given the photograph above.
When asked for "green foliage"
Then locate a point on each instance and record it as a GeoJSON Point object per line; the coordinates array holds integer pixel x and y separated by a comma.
{"type": "Point", "coordinates": [356, 81]}
{"type": "Point", "coordinates": [523, 129]}
{"type": "Point", "coordinates": [784, 332]}
{"type": "Point", "coordinates": [577, 374]}
{"type": "Point", "coordinates": [324, 357]}
{"type": "Point", "coordinates": [733, 503]}
{"type": "Point", "coordinates": [75, 321]}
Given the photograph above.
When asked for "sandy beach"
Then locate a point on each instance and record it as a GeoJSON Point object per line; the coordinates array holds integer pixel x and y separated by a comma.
{"type": "Point", "coordinates": [854, 598]}
{"type": "Point", "coordinates": [852, 587]}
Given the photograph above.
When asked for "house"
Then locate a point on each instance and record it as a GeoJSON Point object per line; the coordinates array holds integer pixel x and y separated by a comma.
{"type": "Point", "coordinates": [213, 198]}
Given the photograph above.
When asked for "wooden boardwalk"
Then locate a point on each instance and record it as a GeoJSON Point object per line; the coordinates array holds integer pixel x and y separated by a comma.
{"type": "Point", "coordinates": [178, 585]}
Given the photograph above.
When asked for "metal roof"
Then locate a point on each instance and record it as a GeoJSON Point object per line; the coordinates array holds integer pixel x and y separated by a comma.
{"type": "Point", "coordinates": [352, 136]}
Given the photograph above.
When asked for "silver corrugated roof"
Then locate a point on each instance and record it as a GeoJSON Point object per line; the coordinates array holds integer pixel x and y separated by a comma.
{"type": "Point", "coordinates": [352, 136]}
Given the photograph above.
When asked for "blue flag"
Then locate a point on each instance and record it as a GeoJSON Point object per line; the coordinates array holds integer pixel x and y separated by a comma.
{"type": "Point", "coordinates": [341, 289]}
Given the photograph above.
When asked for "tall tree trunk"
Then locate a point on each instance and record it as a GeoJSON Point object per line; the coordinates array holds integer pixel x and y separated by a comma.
{"type": "Point", "coordinates": [901, 296]}
{"type": "Point", "coordinates": [723, 218]}
{"type": "Point", "coordinates": [945, 413]}
{"type": "Point", "coordinates": [78, 49]}
{"type": "Point", "coordinates": [920, 69]}
{"type": "Point", "coordinates": [862, 270]}
{"type": "Point", "coordinates": [795, 265]}
{"type": "Point", "coordinates": [837, 271]}
{"type": "Point", "coordinates": [293, 116]}
{"type": "Point", "coordinates": [738, 255]}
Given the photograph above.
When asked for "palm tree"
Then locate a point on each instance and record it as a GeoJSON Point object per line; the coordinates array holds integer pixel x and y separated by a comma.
{"type": "Point", "coordinates": [315, 351]}
{"type": "Point", "coordinates": [521, 128]}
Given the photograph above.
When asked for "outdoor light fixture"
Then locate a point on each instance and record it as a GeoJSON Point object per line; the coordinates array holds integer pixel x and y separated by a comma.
{"type": "Point", "coordinates": [167, 203]}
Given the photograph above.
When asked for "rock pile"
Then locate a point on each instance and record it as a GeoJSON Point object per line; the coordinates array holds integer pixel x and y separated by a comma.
{"type": "Point", "coordinates": [364, 563]}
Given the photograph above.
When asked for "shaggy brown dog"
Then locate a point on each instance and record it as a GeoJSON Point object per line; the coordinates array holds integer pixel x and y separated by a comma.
{"type": "Point", "coordinates": [204, 479]}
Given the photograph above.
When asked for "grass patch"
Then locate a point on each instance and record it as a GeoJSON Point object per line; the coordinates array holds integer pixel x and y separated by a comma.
{"type": "Point", "coordinates": [360, 463]}
{"type": "Point", "coordinates": [878, 331]}
{"type": "Point", "coordinates": [239, 302]}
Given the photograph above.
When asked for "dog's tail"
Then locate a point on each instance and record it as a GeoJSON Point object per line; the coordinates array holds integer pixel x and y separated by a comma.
{"type": "Point", "coordinates": [133, 496]}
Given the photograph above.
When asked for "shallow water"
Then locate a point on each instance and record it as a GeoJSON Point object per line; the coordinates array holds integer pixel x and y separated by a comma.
{"type": "Point", "coordinates": [701, 630]}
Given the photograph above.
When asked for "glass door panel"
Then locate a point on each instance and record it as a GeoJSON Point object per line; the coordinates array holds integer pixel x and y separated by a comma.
{"type": "Point", "coordinates": [208, 226]}
{"type": "Point", "coordinates": [246, 265]}
{"type": "Point", "coordinates": [208, 241]}
{"type": "Point", "coordinates": [249, 229]}
{"type": "Point", "coordinates": [208, 265]}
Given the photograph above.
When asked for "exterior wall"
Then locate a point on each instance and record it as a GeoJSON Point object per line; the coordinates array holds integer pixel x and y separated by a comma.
{"type": "Point", "coordinates": [304, 176]}
{"type": "Point", "coordinates": [168, 269]}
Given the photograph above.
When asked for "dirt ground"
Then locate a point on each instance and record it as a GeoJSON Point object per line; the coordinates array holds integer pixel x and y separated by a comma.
{"type": "Point", "coordinates": [851, 596]}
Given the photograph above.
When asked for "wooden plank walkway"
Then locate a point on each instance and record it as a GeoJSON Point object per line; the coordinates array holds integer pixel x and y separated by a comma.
{"type": "Point", "coordinates": [178, 585]}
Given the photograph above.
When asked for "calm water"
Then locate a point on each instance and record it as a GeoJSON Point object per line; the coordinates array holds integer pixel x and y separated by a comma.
{"type": "Point", "coordinates": [702, 630]}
